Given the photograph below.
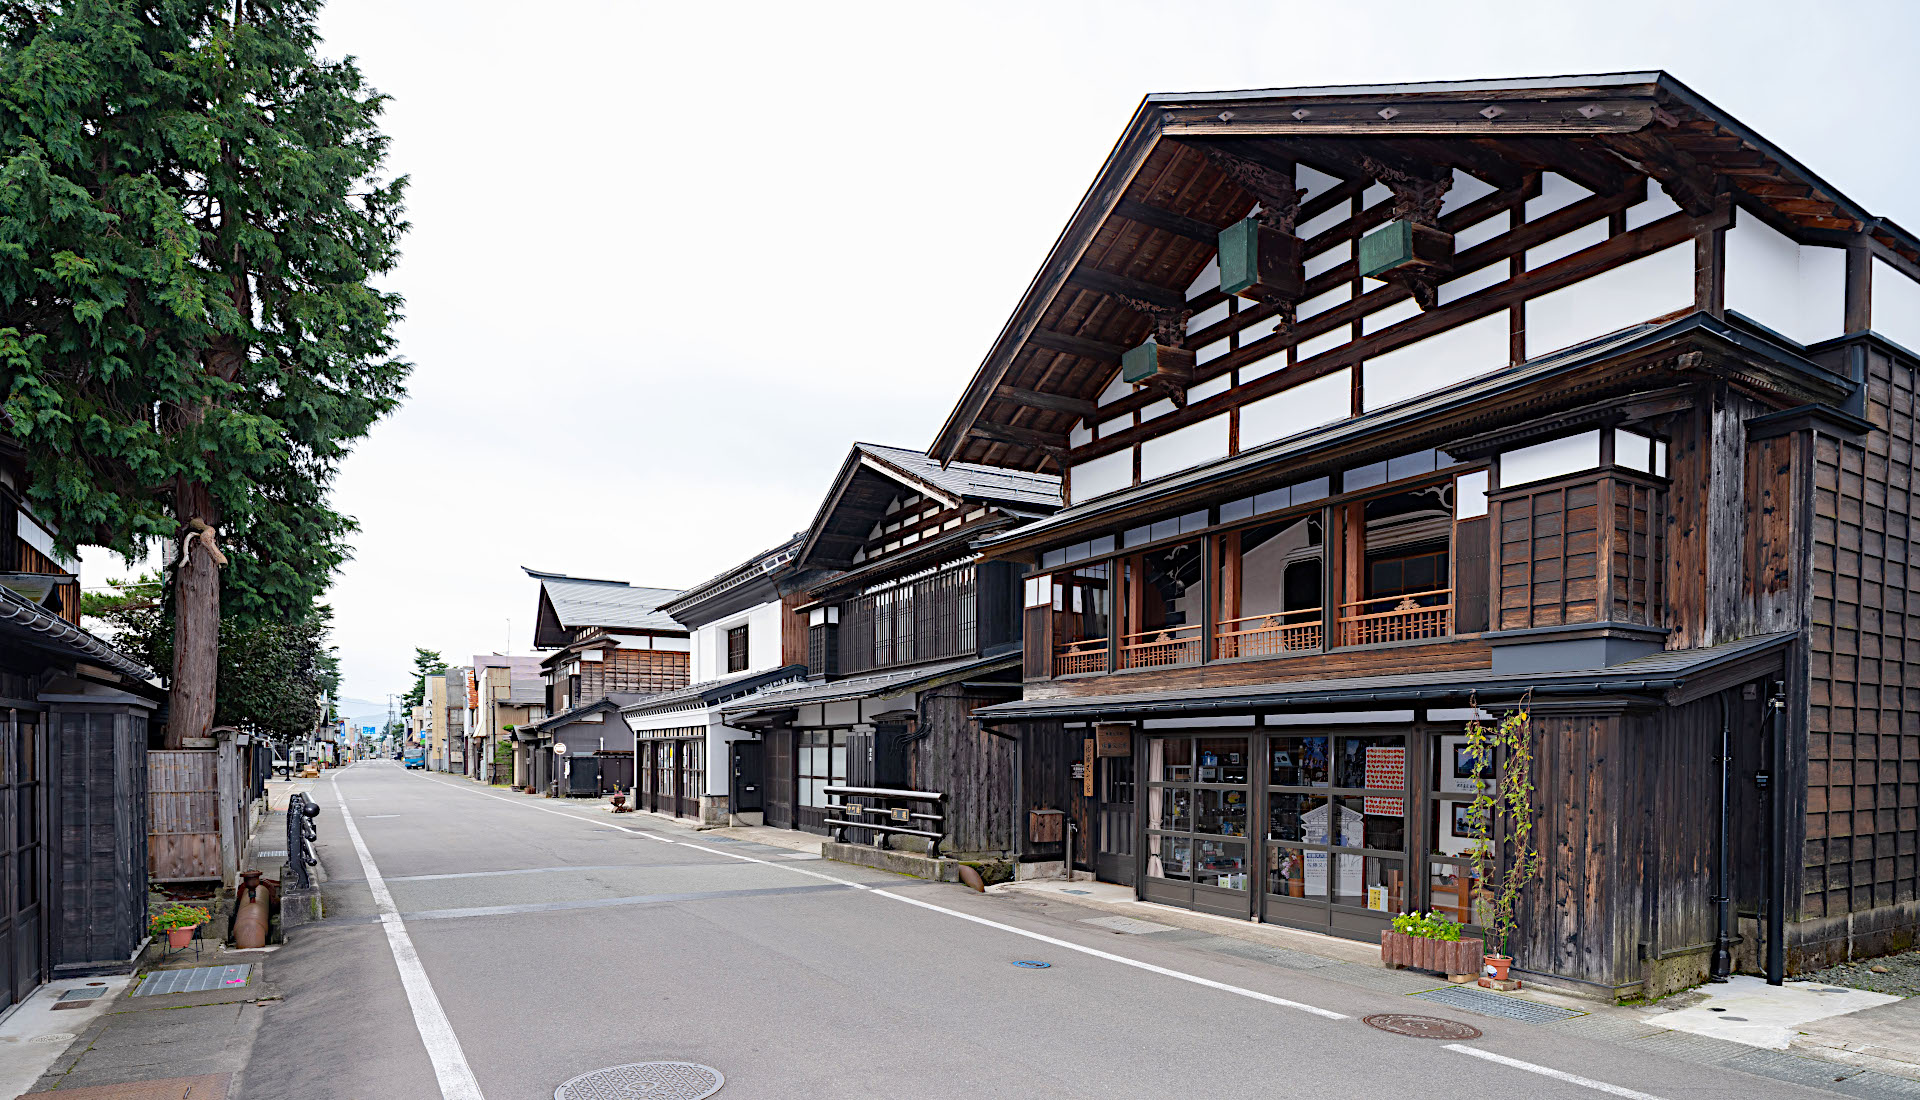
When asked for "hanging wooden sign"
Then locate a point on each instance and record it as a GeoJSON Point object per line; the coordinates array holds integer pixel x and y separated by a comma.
{"type": "Point", "coordinates": [1114, 739]}
{"type": "Point", "coordinates": [1086, 779]}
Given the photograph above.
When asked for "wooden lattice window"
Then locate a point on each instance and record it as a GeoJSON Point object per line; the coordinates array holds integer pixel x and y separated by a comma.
{"type": "Point", "coordinates": [737, 649]}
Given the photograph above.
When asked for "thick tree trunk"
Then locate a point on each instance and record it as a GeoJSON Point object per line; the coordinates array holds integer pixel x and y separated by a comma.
{"type": "Point", "coordinates": [196, 626]}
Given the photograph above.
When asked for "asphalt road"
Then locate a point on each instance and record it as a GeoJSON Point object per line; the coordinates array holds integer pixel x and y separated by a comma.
{"type": "Point", "coordinates": [555, 943]}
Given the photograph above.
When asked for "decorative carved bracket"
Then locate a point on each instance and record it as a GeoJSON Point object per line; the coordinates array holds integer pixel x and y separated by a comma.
{"type": "Point", "coordinates": [1279, 199]}
{"type": "Point", "coordinates": [1415, 197]}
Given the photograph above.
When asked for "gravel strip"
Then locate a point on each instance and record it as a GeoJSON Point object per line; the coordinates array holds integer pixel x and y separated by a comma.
{"type": "Point", "coordinates": [1902, 977]}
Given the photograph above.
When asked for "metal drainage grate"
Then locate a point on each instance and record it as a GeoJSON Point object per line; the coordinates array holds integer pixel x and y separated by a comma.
{"type": "Point", "coordinates": [1129, 925]}
{"type": "Point", "coordinates": [1495, 1004]}
{"type": "Point", "coordinates": [644, 1081]}
{"type": "Point", "coordinates": [78, 998]}
{"type": "Point", "coordinates": [1421, 1027]}
{"type": "Point", "coordinates": [196, 980]}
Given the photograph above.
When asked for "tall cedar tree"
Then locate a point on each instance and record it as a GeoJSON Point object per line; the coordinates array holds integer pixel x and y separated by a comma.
{"type": "Point", "coordinates": [191, 221]}
{"type": "Point", "coordinates": [426, 662]}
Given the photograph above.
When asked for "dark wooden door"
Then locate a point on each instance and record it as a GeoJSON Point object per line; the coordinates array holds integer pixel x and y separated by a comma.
{"type": "Point", "coordinates": [1113, 812]}
{"type": "Point", "coordinates": [23, 855]}
{"type": "Point", "coordinates": [749, 777]}
{"type": "Point", "coordinates": [778, 764]}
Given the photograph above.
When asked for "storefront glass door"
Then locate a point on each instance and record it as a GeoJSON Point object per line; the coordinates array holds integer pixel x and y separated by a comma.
{"type": "Point", "coordinates": [1198, 823]}
{"type": "Point", "coordinates": [1336, 830]}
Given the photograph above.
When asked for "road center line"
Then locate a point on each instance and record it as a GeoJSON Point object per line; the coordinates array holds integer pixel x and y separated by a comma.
{"type": "Point", "coordinates": [436, 1031]}
{"type": "Point", "coordinates": [1556, 1074]}
{"type": "Point", "coordinates": [1069, 945]}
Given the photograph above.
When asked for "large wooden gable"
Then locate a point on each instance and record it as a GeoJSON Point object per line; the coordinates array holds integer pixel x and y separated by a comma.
{"type": "Point", "coordinates": [1189, 166]}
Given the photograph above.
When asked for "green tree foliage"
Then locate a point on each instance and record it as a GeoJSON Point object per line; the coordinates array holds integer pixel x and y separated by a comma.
{"type": "Point", "coordinates": [426, 662]}
{"type": "Point", "coordinates": [191, 229]}
{"type": "Point", "coordinates": [276, 678]}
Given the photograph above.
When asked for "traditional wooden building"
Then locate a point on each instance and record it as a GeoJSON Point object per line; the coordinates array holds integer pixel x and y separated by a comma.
{"type": "Point", "coordinates": [903, 632]}
{"type": "Point", "coordinates": [612, 646]}
{"type": "Point", "coordinates": [688, 762]}
{"type": "Point", "coordinates": [1375, 404]}
{"type": "Point", "coordinates": [74, 716]}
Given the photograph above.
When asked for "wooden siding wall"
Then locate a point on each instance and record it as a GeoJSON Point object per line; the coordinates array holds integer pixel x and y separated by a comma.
{"type": "Point", "coordinates": [1472, 572]}
{"type": "Point", "coordinates": [1708, 593]}
{"type": "Point", "coordinates": [1554, 538]}
{"type": "Point", "coordinates": [929, 618]}
{"type": "Point", "coordinates": [641, 671]}
{"type": "Point", "coordinates": [974, 768]}
{"type": "Point", "coordinates": [1048, 753]}
{"type": "Point", "coordinates": [1036, 661]}
{"type": "Point", "coordinates": [1627, 817]}
{"type": "Point", "coordinates": [779, 778]}
{"type": "Point", "coordinates": [1863, 744]}
{"type": "Point", "coordinates": [793, 629]}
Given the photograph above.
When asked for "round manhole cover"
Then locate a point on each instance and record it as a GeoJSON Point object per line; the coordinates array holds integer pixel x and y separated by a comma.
{"type": "Point", "coordinates": [644, 1081]}
{"type": "Point", "coordinates": [1032, 964]}
{"type": "Point", "coordinates": [1421, 1027]}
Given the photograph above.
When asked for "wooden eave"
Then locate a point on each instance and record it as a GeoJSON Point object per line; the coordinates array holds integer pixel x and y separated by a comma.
{"type": "Point", "coordinates": [1139, 234]}
{"type": "Point", "coordinates": [1698, 349]}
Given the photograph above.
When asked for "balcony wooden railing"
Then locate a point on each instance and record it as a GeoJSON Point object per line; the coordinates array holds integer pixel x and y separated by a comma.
{"type": "Point", "coordinates": [1271, 635]}
{"type": "Point", "coordinates": [1076, 657]}
{"type": "Point", "coordinates": [1169, 645]}
{"type": "Point", "coordinates": [1406, 617]}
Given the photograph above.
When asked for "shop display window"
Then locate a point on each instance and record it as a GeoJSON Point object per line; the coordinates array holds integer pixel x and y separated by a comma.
{"type": "Point", "coordinates": [1329, 794]}
{"type": "Point", "coordinates": [1199, 787]}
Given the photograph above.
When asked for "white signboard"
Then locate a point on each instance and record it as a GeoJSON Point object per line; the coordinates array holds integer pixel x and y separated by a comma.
{"type": "Point", "coordinates": [1352, 835]}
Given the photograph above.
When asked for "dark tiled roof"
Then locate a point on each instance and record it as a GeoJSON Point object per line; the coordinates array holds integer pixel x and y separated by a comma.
{"type": "Point", "coordinates": [879, 685]}
{"type": "Point", "coordinates": [969, 479]}
{"type": "Point", "coordinates": [1655, 673]}
{"type": "Point", "coordinates": [616, 605]}
{"type": "Point", "coordinates": [724, 689]}
{"type": "Point", "coordinates": [766, 561]}
{"type": "Point", "coordinates": [41, 627]}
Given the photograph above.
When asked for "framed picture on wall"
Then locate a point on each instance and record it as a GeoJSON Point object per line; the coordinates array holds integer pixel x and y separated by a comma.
{"type": "Point", "coordinates": [1458, 774]}
{"type": "Point", "coordinates": [1455, 838]}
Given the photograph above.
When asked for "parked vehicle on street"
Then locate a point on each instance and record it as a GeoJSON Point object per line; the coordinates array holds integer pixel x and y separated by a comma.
{"type": "Point", "coordinates": [417, 758]}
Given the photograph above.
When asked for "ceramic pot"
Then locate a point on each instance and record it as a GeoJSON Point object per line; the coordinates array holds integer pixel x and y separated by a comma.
{"type": "Point", "coordinates": [180, 937]}
{"type": "Point", "coordinates": [1497, 966]}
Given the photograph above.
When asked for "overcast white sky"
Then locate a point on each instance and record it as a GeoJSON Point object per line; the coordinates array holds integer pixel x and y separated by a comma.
{"type": "Point", "coordinates": [670, 259]}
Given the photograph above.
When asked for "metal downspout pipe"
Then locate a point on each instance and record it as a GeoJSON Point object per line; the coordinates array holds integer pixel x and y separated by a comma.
{"type": "Point", "coordinates": [1723, 932]}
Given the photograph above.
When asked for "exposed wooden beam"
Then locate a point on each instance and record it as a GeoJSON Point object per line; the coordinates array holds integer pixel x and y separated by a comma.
{"type": "Point", "coordinates": [1141, 295]}
{"type": "Point", "coordinates": [1053, 446]}
{"type": "Point", "coordinates": [1076, 345]}
{"type": "Point", "coordinates": [1692, 187]}
{"type": "Point", "coordinates": [1591, 169]}
{"type": "Point", "coordinates": [1056, 401]}
{"type": "Point", "coordinates": [1158, 218]}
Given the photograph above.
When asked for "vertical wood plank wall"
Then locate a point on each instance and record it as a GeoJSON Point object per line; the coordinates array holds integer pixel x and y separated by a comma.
{"type": "Point", "coordinates": [1863, 745]}
{"type": "Point", "coordinates": [972, 767]}
{"type": "Point", "coordinates": [1554, 538]}
{"type": "Point", "coordinates": [184, 842]}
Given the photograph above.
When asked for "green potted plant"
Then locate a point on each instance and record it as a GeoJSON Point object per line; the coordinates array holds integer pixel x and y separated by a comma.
{"type": "Point", "coordinates": [1430, 941]}
{"type": "Point", "coordinates": [1500, 820]}
{"type": "Point", "coordinates": [178, 921]}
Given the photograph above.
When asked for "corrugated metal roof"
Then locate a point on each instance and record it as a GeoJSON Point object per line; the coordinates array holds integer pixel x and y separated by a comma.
{"type": "Point", "coordinates": [1655, 672]}
{"type": "Point", "coordinates": [616, 605]}
{"type": "Point", "coordinates": [879, 685]}
{"type": "Point", "coordinates": [970, 480]}
{"type": "Point", "coordinates": [526, 693]}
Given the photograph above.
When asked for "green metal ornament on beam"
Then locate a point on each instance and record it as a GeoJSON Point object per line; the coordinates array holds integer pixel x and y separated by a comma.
{"type": "Point", "coordinates": [1260, 263]}
{"type": "Point", "coordinates": [1153, 360]}
{"type": "Point", "coordinates": [1403, 246]}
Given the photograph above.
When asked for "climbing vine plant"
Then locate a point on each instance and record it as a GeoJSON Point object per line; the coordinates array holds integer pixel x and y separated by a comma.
{"type": "Point", "coordinates": [1500, 818]}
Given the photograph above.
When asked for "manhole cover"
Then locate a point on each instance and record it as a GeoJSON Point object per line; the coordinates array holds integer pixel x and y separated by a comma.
{"type": "Point", "coordinates": [1421, 1027]}
{"type": "Point", "coordinates": [644, 1081]}
{"type": "Point", "coordinates": [1032, 964]}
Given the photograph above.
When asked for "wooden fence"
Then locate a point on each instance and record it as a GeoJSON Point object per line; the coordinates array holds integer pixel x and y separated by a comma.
{"type": "Point", "coordinates": [183, 842]}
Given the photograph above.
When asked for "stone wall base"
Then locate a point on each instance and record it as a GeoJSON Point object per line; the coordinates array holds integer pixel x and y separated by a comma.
{"type": "Point", "coordinates": [889, 859]}
{"type": "Point", "coordinates": [1817, 944]}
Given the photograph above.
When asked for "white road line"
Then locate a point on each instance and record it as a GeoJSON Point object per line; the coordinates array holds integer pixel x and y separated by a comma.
{"type": "Point", "coordinates": [436, 1031]}
{"type": "Point", "coordinates": [1067, 944]}
{"type": "Point", "coordinates": [1121, 959]}
{"type": "Point", "coordinates": [558, 813]}
{"type": "Point", "coordinates": [1556, 1074]}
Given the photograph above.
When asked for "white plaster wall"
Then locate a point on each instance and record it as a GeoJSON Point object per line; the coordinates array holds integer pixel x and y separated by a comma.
{"type": "Point", "coordinates": [1797, 290]}
{"type": "Point", "coordinates": [1291, 411]}
{"type": "Point", "coordinates": [1649, 287]}
{"type": "Point", "coordinates": [1184, 447]}
{"type": "Point", "coordinates": [1896, 305]}
{"type": "Point", "coordinates": [1440, 360]}
{"type": "Point", "coordinates": [1103, 475]}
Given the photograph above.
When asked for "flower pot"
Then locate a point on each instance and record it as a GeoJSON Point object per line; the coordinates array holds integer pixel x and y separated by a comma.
{"type": "Point", "coordinates": [1398, 949]}
{"type": "Point", "coordinates": [1497, 966]}
{"type": "Point", "coordinates": [180, 937]}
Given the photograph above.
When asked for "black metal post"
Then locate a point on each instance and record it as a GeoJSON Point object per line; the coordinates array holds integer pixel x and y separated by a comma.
{"type": "Point", "coordinates": [1777, 832]}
